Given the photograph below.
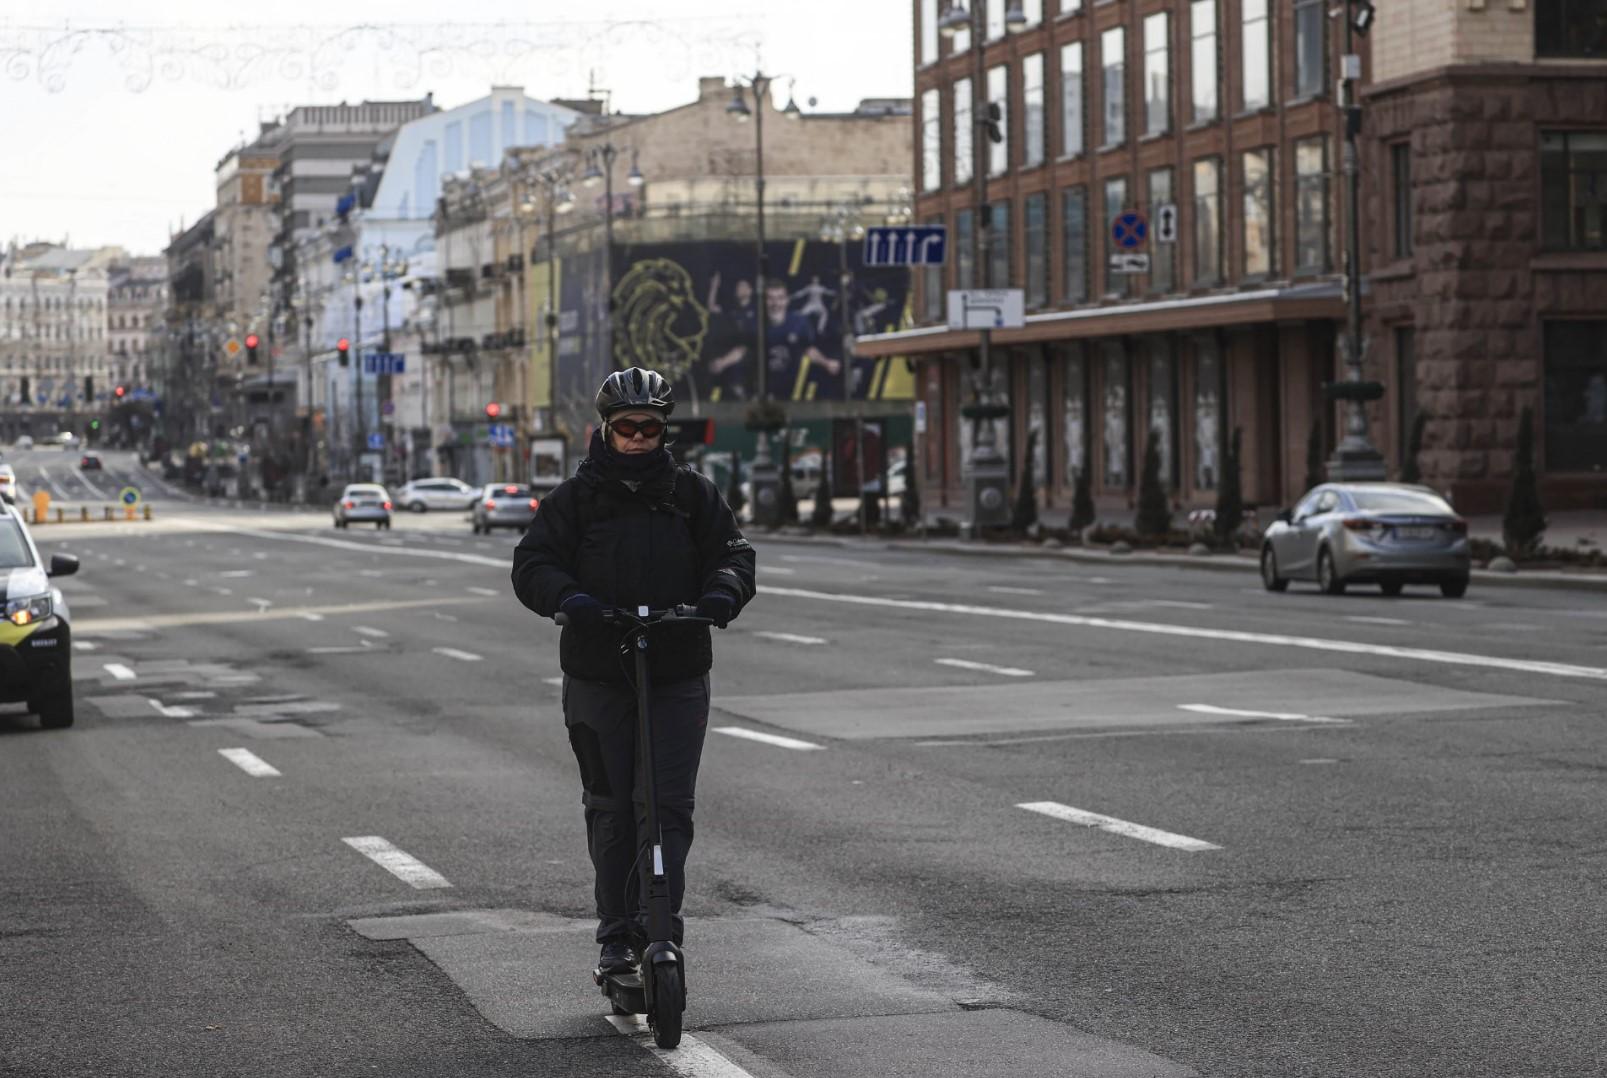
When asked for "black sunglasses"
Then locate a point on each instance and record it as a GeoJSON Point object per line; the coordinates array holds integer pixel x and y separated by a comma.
{"type": "Point", "coordinates": [629, 428]}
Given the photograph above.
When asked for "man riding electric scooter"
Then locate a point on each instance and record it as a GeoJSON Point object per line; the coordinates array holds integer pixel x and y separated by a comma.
{"type": "Point", "coordinates": [634, 532]}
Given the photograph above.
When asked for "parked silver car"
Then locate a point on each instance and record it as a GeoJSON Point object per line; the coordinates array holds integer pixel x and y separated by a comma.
{"type": "Point", "coordinates": [421, 495]}
{"type": "Point", "coordinates": [504, 505]}
{"type": "Point", "coordinates": [364, 502]}
{"type": "Point", "coordinates": [1389, 534]}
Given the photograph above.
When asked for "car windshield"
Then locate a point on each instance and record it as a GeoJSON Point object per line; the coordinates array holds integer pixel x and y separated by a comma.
{"type": "Point", "coordinates": [14, 553]}
{"type": "Point", "coordinates": [1399, 501]}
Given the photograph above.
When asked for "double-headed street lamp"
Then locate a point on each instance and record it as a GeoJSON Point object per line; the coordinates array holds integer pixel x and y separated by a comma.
{"type": "Point", "coordinates": [766, 479]}
{"type": "Point", "coordinates": [552, 185]}
{"type": "Point", "coordinates": [600, 169]}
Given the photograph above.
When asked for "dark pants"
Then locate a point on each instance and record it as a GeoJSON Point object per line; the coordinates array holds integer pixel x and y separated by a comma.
{"type": "Point", "coordinates": [602, 730]}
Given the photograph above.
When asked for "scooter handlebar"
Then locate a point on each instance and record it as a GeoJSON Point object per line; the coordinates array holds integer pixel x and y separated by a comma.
{"type": "Point", "coordinates": [686, 612]}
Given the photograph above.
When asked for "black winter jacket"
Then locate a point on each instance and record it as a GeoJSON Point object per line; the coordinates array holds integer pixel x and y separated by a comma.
{"type": "Point", "coordinates": [671, 541]}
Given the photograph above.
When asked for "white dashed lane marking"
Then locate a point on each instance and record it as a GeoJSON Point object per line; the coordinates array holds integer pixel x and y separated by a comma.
{"type": "Point", "coordinates": [1287, 716]}
{"type": "Point", "coordinates": [986, 668]}
{"type": "Point", "coordinates": [250, 763]}
{"type": "Point", "coordinates": [404, 866]}
{"type": "Point", "coordinates": [461, 656]}
{"type": "Point", "coordinates": [1117, 827]}
{"type": "Point", "coordinates": [120, 672]}
{"type": "Point", "coordinates": [364, 630]}
{"type": "Point", "coordinates": [1004, 589]}
{"type": "Point", "coordinates": [768, 739]}
{"type": "Point", "coordinates": [482, 591]}
{"type": "Point", "coordinates": [791, 638]}
{"type": "Point", "coordinates": [1364, 619]}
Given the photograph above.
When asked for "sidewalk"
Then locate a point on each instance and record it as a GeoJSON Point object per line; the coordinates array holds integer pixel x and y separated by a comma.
{"type": "Point", "coordinates": [1568, 526]}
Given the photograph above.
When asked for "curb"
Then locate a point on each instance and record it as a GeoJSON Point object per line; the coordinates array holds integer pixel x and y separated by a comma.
{"type": "Point", "coordinates": [1214, 562]}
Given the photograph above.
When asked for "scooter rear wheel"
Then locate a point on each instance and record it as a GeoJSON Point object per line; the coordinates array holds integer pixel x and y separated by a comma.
{"type": "Point", "coordinates": [669, 1000]}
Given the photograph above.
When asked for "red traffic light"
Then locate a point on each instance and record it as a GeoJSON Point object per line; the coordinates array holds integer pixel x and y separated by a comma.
{"type": "Point", "coordinates": [343, 344]}
{"type": "Point", "coordinates": [493, 410]}
{"type": "Point", "coordinates": [119, 391]}
{"type": "Point", "coordinates": [251, 340]}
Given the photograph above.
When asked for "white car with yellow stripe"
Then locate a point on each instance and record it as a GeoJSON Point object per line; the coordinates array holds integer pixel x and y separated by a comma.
{"type": "Point", "coordinates": [35, 637]}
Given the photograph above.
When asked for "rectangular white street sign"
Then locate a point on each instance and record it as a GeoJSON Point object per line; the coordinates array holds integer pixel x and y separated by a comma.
{"type": "Point", "coordinates": [986, 308]}
{"type": "Point", "coordinates": [1129, 262]}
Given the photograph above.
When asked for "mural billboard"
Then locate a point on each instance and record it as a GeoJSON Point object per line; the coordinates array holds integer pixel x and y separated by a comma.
{"type": "Point", "coordinates": [691, 310]}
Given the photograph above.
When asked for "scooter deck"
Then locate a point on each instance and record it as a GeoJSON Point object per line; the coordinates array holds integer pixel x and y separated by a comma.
{"type": "Point", "coordinates": [624, 990]}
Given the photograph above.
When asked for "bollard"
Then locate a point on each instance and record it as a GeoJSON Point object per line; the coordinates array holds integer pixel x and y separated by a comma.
{"type": "Point", "coordinates": [41, 506]}
{"type": "Point", "coordinates": [147, 512]}
{"type": "Point", "coordinates": [83, 513]}
{"type": "Point", "coordinates": [128, 512]}
{"type": "Point", "coordinates": [58, 514]}
{"type": "Point", "coordinates": [108, 512]}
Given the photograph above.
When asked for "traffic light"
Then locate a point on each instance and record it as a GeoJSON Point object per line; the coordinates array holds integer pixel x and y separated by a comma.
{"type": "Point", "coordinates": [493, 410]}
{"type": "Point", "coordinates": [94, 425]}
{"type": "Point", "coordinates": [251, 348]}
{"type": "Point", "coordinates": [343, 348]}
{"type": "Point", "coordinates": [119, 391]}
{"type": "Point", "coordinates": [27, 398]}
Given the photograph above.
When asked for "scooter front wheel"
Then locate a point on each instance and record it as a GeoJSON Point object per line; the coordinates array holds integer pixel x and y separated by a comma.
{"type": "Point", "coordinates": [669, 1000]}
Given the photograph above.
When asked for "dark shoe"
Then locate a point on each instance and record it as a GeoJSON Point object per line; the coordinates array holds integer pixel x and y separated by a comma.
{"type": "Point", "coordinates": [617, 958]}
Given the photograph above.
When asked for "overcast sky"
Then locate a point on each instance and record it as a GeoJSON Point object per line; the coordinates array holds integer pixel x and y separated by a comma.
{"type": "Point", "coordinates": [124, 107]}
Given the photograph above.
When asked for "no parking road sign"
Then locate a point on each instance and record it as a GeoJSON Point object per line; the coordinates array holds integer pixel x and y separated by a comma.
{"type": "Point", "coordinates": [1129, 230]}
{"type": "Point", "coordinates": [129, 495]}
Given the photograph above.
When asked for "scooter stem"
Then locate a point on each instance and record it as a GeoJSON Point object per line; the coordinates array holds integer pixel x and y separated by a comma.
{"type": "Point", "coordinates": [659, 927]}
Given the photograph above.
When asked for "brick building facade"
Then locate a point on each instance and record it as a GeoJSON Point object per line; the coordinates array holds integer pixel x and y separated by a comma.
{"type": "Point", "coordinates": [1219, 115]}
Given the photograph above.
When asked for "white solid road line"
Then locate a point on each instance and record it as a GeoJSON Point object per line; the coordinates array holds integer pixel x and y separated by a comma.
{"type": "Point", "coordinates": [482, 591]}
{"type": "Point", "coordinates": [1005, 589]}
{"type": "Point", "coordinates": [790, 638]}
{"type": "Point", "coordinates": [250, 763]}
{"type": "Point", "coordinates": [1288, 716]}
{"type": "Point", "coordinates": [404, 866]}
{"type": "Point", "coordinates": [768, 739]}
{"type": "Point", "coordinates": [461, 656]}
{"type": "Point", "coordinates": [1350, 647]}
{"type": "Point", "coordinates": [692, 1059]}
{"type": "Point", "coordinates": [1117, 827]}
{"type": "Point", "coordinates": [364, 630]}
{"type": "Point", "coordinates": [987, 668]}
{"type": "Point", "coordinates": [119, 671]}
{"type": "Point", "coordinates": [1365, 620]}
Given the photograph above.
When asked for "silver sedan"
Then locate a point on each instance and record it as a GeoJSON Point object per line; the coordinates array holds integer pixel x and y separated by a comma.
{"type": "Point", "coordinates": [1389, 534]}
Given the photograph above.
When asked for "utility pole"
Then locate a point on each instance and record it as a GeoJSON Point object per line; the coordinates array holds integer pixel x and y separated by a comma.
{"type": "Point", "coordinates": [357, 373]}
{"type": "Point", "coordinates": [1355, 457]}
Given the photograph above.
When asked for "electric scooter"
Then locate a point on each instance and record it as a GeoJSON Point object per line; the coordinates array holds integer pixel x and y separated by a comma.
{"type": "Point", "coordinates": [659, 989]}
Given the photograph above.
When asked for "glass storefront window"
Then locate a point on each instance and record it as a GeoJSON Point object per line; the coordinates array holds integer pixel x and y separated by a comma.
{"type": "Point", "coordinates": [1074, 416]}
{"type": "Point", "coordinates": [1207, 414]}
{"type": "Point", "coordinates": [1117, 441]}
{"type": "Point", "coordinates": [1576, 397]}
{"type": "Point", "coordinates": [1163, 406]}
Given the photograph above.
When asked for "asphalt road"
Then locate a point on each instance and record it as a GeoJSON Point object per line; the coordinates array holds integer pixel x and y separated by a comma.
{"type": "Point", "coordinates": [1023, 818]}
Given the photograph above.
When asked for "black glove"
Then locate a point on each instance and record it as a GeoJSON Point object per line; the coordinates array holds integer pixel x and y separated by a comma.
{"type": "Point", "coordinates": [582, 611]}
{"type": "Point", "coordinates": [718, 607]}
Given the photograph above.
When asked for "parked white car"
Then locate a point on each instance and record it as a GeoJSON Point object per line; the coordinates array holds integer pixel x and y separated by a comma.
{"type": "Point", "coordinates": [422, 495]}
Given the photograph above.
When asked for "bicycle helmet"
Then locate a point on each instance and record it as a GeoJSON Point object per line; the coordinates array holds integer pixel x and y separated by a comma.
{"type": "Point", "coordinates": [635, 387]}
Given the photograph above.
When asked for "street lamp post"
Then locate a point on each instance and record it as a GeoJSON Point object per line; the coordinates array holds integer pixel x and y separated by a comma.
{"type": "Point", "coordinates": [606, 153]}
{"type": "Point", "coordinates": [1355, 458]}
{"type": "Point", "coordinates": [766, 477]}
{"type": "Point", "coordinates": [987, 471]}
{"type": "Point", "coordinates": [554, 184]}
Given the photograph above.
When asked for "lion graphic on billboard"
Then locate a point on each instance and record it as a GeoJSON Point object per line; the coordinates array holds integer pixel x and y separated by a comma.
{"type": "Point", "coordinates": [658, 322]}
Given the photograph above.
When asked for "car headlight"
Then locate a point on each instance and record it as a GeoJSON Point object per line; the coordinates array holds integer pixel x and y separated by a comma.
{"type": "Point", "coordinates": [27, 611]}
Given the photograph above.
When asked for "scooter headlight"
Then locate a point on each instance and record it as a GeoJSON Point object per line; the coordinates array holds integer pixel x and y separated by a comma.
{"type": "Point", "coordinates": [29, 610]}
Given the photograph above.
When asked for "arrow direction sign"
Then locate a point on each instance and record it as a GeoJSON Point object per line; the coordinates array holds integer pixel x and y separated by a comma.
{"type": "Point", "coordinates": [910, 245]}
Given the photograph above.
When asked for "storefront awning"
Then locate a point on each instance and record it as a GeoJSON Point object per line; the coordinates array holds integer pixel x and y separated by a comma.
{"type": "Point", "coordinates": [1322, 300]}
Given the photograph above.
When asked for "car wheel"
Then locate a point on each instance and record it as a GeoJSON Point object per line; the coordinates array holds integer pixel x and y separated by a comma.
{"type": "Point", "coordinates": [1454, 589]}
{"type": "Point", "coordinates": [1328, 578]}
{"type": "Point", "coordinates": [1390, 588]}
{"type": "Point", "coordinates": [417, 507]}
{"type": "Point", "coordinates": [56, 712]}
{"type": "Point", "coordinates": [1269, 571]}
